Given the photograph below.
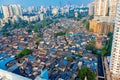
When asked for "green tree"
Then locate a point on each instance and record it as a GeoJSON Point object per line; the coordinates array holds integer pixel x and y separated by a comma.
{"type": "Point", "coordinates": [49, 26]}
{"type": "Point", "coordinates": [24, 53]}
{"type": "Point", "coordinates": [29, 30]}
{"type": "Point", "coordinates": [87, 24]}
{"type": "Point", "coordinates": [91, 46]}
{"type": "Point", "coordinates": [69, 58]}
{"type": "Point", "coordinates": [60, 27]}
{"type": "Point", "coordinates": [109, 46]}
{"type": "Point", "coordinates": [6, 34]}
{"type": "Point", "coordinates": [59, 33]}
{"type": "Point", "coordinates": [11, 26]}
{"type": "Point", "coordinates": [78, 55]}
{"type": "Point", "coordinates": [91, 17]}
{"type": "Point", "coordinates": [86, 72]}
{"type": "Point", "coordinates": [110, 34]}
{"type": "Point", "coordinates": [104, 51]}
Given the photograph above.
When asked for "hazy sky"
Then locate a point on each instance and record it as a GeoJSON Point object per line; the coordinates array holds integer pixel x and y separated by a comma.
{"type": "Point", "coordinates": [26, 3]}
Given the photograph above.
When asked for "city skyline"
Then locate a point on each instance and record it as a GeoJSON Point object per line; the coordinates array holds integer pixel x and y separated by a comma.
{"type": "Point", "coordinates": [37, 3]}
{"type": "Point", "coordinates": [60, 39]}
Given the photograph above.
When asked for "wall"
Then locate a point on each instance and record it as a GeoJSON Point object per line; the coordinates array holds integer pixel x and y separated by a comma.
{"type": "Point", "coordinates": [101, 27]}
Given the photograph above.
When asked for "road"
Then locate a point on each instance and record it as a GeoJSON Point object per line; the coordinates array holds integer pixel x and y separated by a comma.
{"type": "Point", "coordinates": [100, 69]}
{"type": "Point", "coordinates": [107, 70]}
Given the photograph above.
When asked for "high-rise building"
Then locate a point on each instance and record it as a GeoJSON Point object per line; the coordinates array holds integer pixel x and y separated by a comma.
{"type": "Point", "coordinates": [115, 54]}
{"type": "Point", "coordinates": [91, 8]}
{"type": "Point", "coordinates": [31, 9]}
{"type": "Point", "coordinates": [11, 10]}
{"type": "Point", "coordinates": [76, 14]}
{"type": "Point", "coordinates": [41, 16]}
{"type": "Point", "coordinates": [101, 7]}
{"type": "Point", "coordinates": [112, 6]}
{"type": "Point", "coordinates": [55, 11]}
{"type": "Point", "coordinates": [17, 9]}
{"type": "Point", "coordinates": [5, 10]}
{"type": "Point", "coordinates": [1, 14]}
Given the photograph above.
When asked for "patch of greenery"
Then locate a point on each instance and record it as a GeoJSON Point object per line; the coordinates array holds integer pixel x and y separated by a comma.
{"type": "Point", "coordinates": [24, 53]}
{"type": "Point", "coordinates": [79, 55]}
{"type": "Point", "coordinates": [59, 33]}
{"type": "Point", "coordinates": [104, 51]}
{"type": "Point", "coordinates": [69, 58]}
{"type": "Point", "coordinates": [86, 72]}
{"type": "Point", "coordinates": [10, 26]}
{"type": "Point", "coordinates": [91, 46]}
{"type": "Point", "coordinates": [6, 34]}
{"type": "Point", "coordinates": [60, 27]}
{"type": "Point", "coordinates": [91, 17]}
{"type": "Point", "coordinates": [49, 26]}
{"type": "Point", "coordinates": [109, 46]}
{"type": "Point", "coordinates": [42, 24]}
{"type": "Point", "coordinates": [87, 24]}
{"type": "Point", "coordinates": [29, 30]}
{"type": "Point", "coordinates": [29, 26]}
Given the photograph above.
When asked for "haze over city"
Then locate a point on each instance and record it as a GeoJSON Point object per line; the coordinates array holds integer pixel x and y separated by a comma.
{"type": "Point", "coordinates": [27, 3]}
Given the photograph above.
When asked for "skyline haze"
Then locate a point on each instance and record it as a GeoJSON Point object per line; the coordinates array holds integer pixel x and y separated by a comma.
{"type": "Point", "coordinates": [37, 3]}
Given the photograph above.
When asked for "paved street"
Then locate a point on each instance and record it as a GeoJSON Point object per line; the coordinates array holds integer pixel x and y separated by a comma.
{"type": "Point", "coordinates": [100, 69]}
{"type": "Point", "coordinates": [108, 75]}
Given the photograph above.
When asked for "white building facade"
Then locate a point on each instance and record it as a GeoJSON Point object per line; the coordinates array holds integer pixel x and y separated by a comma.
{"type": "Point", "coordinates": [11, 10]}
{"type": "Point", "coordinates": [101, 7]}
{"type": "Point", "coordinates": [5, 9]}
{"type": "Point", "coordinates": [113, 6]}
{"type": "Point", "coordinates": [115, 54]}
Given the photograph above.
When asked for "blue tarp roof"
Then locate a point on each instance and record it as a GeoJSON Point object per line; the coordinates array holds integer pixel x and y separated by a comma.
{"type": "Point", "coordinates": [99, 51]}
{"type": "Point", "coordinates": [74, 67]}
{"type": "Point", "coordinates": [63, 74]}
{"type": "Point", "coordinates": [2, 55]}
{"type": "Point", "coordinates": [85, 63]}
{"type": "Point", "coordinates": [65, 62]}
{"type": "Point", "coordinates": [44, 74]}
{"type": "Point", "coordinates": [53, 76]}
{"type": "Point", "coordinates": [3, 62]}
{"type": "Point", "coordinates": [52, 50]}
{"type": "Point", "coordinates": [47, 53]}
{"type": "Point", "coordinates": [31, 58]}
{"type": "Point", "coordinates": [94, 67]}
{"type": "Point", "coordinates": [20, 48]}
{"type": "Point", "coordinates": [28, 71]}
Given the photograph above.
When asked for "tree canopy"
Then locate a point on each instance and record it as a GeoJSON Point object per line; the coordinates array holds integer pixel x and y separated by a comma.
{"type": "Point", "coordinates": [42, 24]}
{"type": "Point", "coordinates": [59, 33]}
{"type": "Point", "coordinates": [86, 23]}
{"type": "Point", "coordinates": [69, 58]}
{"type": "Point", "coordinates": [24, 53]}
{"type": "Point", "coordinates": [109, 46]}
{"type": "Point", "coordinates": [10, 26]}
{"type": "Point", "coordinates": [104, 51]}
{"type": "Point", "coordinates": [86, 72]}
{"type": "Point", "coordinates": [6, 34]}
{"type": "Point", "coordinates": [91, 46]}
